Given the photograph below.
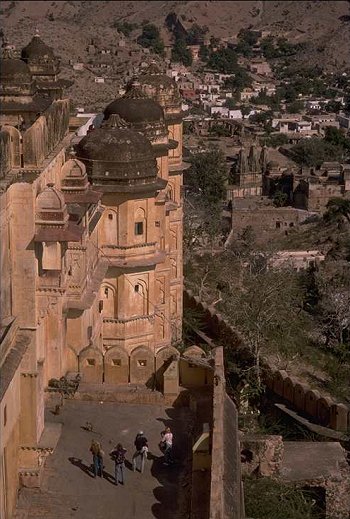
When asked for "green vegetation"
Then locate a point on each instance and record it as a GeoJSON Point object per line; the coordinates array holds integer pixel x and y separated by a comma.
{"type": "Point", "coordinates": [337, 138]}
{"type": "Point", "coordinates": [275, 141]}
{"type": "Point", "coordinates": [279, 48]}
{"type": "Point", "coordinates": [219, 130]}
{"type": "Point", "coordinates": [313, 152]}
{"type": "Point", "coordinates": [224, 61]}
{"type": "Point", "coordinates": [196, 34]}
{"type": "Point", "coordinates": [240, 80]}
{"type": "Point", "coordinates": [246, 41]}
{"type": "Point", "coordinates": [125, 27]}
{"type": "Point", "coordinates": [150, 38]}
{"type": "Point", "coordinates": [180, 53]}
{"type": "Point", "coordinates": [266, 498]}
{"type": "Point", "coordinates": [208, 174]}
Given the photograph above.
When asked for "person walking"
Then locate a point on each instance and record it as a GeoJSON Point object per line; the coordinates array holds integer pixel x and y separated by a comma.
{"type": "Point", "coordinates": [167, 441]}
{"type": "Point", "coordinates": [118, 455]}
{"type": "Point", "coordinates": [97, 458]}
{"type": "Point", "coordinates": [141, 445]}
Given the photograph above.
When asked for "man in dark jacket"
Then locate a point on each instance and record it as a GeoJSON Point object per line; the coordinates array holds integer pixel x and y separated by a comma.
{"type": "Point", "coordinates": [141, 445]}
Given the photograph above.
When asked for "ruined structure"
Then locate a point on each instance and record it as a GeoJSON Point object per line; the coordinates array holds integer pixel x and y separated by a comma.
{"type": "Point", "coordinates": [91, 255]}
{"type": "Point", "coordinates": [248, 176]}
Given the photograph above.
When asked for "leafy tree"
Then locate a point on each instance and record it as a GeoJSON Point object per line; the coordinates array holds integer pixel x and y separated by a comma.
{"type": "Point", "coordinates": [280, 199]}
{"type": "Point", "coordinates": [180, 53]}
{"type": "Point", "coordinates": [333, 106]}
{"type": "Point", "coordinates": [150, 38]}
{"type": "Point", "coordinates": [208, 174]}
{"type": "Point", "coordinates": [203, 53]}
{"type": "Point", "coordinates": [275, 141]}
{"type": "Point", "coordinates": [219, 130]}
{"type": "Point", "coordinates": [231, 103]}
{"type": "Point", "coordinates": [313, 152]}
{"type": "Point", "coordinates": [249, 37]}
{"type": "Point", "coordinates": [262, 118]}
{"type": "Point", "coordinates": [125, 27]}
{"type": "Point", "coordinates": [337, 138]}
{"type": "Point", "coordinates": [295, 107]}
{"type": "Point", "coordinates": [196, 34]}
{"type": "Point", "coordinates": [240, 80]}
{"type": "Point", "coordinates": [337, 209]}
{"type": "Point", "coordinates": [223, 60]}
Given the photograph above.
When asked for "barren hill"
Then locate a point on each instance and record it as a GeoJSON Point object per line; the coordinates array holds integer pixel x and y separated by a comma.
{"type": "Point", "coordinates": [68, 26]}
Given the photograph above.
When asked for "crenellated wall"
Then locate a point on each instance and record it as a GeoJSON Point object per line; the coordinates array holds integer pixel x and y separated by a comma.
{"type": "Point", "coordinates": [301, 397]}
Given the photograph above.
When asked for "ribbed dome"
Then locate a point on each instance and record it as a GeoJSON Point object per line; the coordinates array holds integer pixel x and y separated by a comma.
{"type": "Point", "coordinates": [37, 50]}
{"type": "Point", "coordinates": [117, 153]}
{"type": "Point", "coordinates": [15, 70]}
{"type": "Point", "coordinates": [135, 107]}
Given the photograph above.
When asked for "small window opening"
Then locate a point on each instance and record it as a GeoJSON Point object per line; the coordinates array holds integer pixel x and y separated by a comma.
{"type": "Point", "coordinates": [138, 228]}
{"type": "Point", "coordinates": [137, 288]}
{"type": "Point", "coordinates": [142, 363]}
{"type": "Point", "coordinates": [106, 292]}
{"type": "Point", "coordinates": [91, 362]}
{"type": "Point", "coordinates": [116, 362]}
{"type": "Point", "coordinates": [5, 415]}
{"type": "Point", "coordinates": [110, 216]}
{"type": "Point", "coordinates": [278, 225]}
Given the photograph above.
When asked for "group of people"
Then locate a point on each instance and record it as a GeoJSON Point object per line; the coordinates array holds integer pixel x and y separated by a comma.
{"type": "Point", "coordinates": [139, 456]}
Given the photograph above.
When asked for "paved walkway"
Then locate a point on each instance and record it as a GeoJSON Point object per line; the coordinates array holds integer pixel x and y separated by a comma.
{"type": "Point", "coordinates": [70, 491]}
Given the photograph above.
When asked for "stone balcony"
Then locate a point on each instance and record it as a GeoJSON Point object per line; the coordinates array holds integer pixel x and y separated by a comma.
{"type": "Point", "coordinates": [83, 298]}
{"type": "Point", "coordinates": [129, 256]}
{"type": "Point", "coordinates": [127, 328]}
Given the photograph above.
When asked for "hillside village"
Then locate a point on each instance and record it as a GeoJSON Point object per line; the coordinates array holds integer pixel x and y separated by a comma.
{"type": "Point", "coordinates": [186, 180]}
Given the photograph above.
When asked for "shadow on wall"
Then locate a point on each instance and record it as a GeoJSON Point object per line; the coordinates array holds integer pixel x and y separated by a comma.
{"type": "Point", "coordinates": [173, 493]}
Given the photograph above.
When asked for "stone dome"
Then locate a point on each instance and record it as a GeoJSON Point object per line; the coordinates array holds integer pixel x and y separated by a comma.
{"type": "Point", "coordinates": [50, 207]}
{"type": "Point", "coordinates": [114, 152]}
{"type": "Point", "coordinates": [135, 107]}
{"type": "Point", "coordinates": [50, 198]}
{"type": "Point", "coordinates": [14, 71]}
{"type": "Point", "coordinates": [37, 50]}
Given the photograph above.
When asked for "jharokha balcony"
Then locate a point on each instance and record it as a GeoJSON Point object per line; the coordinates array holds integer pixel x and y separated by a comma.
{"type": "Point", "coordinates": [139, 255]}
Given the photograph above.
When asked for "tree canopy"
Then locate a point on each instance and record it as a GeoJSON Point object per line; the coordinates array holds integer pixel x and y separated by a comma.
{"type": "Point", "coordinates": [208, 174]}
{"type": "Point", "coordinates": [150, 38]}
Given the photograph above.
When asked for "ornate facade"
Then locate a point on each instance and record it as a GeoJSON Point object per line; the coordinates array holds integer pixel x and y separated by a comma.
{"type": "Point", "coordinates": [91, 255]}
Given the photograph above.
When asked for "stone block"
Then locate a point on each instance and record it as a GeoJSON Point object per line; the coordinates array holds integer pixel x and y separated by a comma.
{"type": "Point", "coordinates": [288, 389]}
{"type": "Point", "coordinates": [278, 382]}
{"type": "Point", "coordinates": [300, 391]}
{"type": "Point", "coordinates": [311, 398]}
{"type": "Point", "coordinates": [339, 417]}
{"type": "Point", "coordinates": [324, 405]}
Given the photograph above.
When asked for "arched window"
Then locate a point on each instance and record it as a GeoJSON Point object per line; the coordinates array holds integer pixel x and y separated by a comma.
{"type": "Point", "coordinates": [108, 296]}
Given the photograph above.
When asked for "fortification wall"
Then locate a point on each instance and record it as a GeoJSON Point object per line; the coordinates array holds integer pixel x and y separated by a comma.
{"type": "Point", "coordinates": [302, 397]}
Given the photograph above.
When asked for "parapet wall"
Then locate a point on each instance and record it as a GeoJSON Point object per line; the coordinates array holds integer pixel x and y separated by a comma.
{"type": "Point", "coordinates": [226, 497]}
{"type": "Point", "coordinates": [301, 397]}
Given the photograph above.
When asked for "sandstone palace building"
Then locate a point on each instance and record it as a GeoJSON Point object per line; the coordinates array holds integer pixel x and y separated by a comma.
{"type": "Point", "coordinates": [91, 245]}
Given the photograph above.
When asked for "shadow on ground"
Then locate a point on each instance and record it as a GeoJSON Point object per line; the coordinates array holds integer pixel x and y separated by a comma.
{"type": "Point", "coordinates": [172, 494]}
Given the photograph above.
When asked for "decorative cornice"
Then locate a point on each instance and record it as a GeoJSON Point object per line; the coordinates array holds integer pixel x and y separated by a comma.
{"type": "Point", "coordinates": [61, 291]}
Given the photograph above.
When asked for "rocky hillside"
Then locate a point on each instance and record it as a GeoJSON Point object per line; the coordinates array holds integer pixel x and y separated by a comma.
{"type": "Point", "coordinates": [68, 26]}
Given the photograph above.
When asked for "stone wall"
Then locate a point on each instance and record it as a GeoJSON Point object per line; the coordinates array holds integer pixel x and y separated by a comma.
{"type": "Point", "coordinates": [226, 495]}
{"type": "Point", "coordinates": [268, 219]}
{"type": "Point", "coordinates": [301, 397]}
